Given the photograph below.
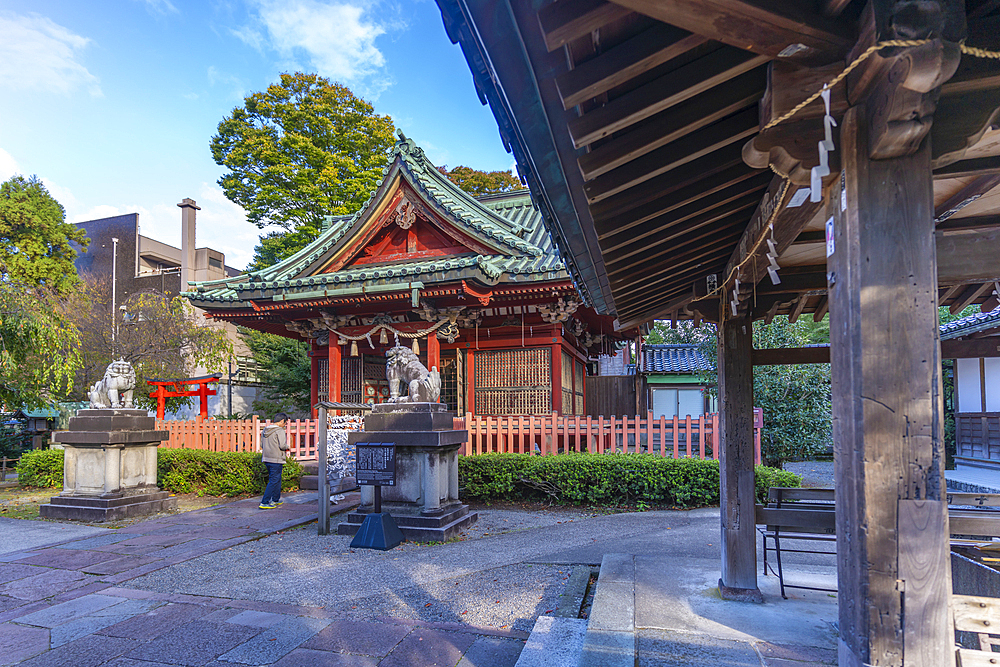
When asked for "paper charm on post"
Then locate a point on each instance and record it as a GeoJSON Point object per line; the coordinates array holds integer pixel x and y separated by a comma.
{"type": "Point", "coordinates": [772, 262]}
{"type": "Point", "coordinates": [825, 146]}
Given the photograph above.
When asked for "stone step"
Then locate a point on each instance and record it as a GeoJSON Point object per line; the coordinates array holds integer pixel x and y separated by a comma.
{"type": "Point", "coordinates": [311, 483]}
{"type": "Point", "coordinates": [554, 642]}
{"type": "Point", "coordinates": [419, 529]}
{"type": "Point", "coordinates": [610, 639]}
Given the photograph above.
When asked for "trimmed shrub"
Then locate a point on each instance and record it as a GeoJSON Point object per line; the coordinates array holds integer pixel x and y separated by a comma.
{"type": "Point", "coordinates": [40, 468]}
{"type": "Point", "coordinates": [178, 471]}
{"type": "Point", "coordinates": [602, 478]}
{"type": "Point", "coordinates": [218, 473]}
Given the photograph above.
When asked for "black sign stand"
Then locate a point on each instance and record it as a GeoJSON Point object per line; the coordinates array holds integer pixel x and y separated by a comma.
{"type": "Point", "coordinates": [379, 530]}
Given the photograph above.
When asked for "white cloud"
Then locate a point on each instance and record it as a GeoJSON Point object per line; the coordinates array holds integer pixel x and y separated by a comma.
{"type": "Point", "coordinates": [223, 225]}
{"type": "Point", "coordinates": [36, 53]}
{"type": "Point", "coordinates": [337, 39]}
{"type": "Point", "coordinates": [8, 166]}
{"type": "Point", "coordinates": [160, 6]}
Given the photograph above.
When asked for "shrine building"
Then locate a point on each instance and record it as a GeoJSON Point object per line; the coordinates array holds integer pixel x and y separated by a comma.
{"type": "Point", "coordinates": [473, 284]}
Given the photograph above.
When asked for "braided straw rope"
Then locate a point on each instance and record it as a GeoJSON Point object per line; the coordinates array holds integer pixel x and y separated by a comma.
{"type": "Point", "coordinates": [904, 43]}
{"type": "Point", "coordinates": [397, 332]}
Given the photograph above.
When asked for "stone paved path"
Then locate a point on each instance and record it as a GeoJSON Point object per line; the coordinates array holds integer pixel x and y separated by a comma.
{"type": "Point", "coordinates": [62, 605]}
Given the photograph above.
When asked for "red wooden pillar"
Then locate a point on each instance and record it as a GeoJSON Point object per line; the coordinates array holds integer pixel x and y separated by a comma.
{"type": "Point", "coordinates": [433, 352]}
{"type": "Point", "coordinates": [557, 378]}
{"type": "Point", "coordinates": [333, 372]}
{"type": "Point", "coordinates": [470, 382]}
{"type": "Point", "coordinates": [314, 375]}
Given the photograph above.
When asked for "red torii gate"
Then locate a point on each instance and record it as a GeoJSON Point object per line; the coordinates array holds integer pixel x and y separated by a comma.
{"type": "Point", "coordinates": [162, 393]}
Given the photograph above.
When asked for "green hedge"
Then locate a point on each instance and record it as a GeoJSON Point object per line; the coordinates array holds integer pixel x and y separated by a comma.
{"type": "Point", "coordinates": [40, 468]}
{"type": "Point", "coordinates": [178, 471]}
{"type": "Point", "coordinates": [603, 478]}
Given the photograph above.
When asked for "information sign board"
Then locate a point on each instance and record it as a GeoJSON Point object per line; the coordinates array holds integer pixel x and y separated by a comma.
{"type": "Point", "coordinates": [376, 463]}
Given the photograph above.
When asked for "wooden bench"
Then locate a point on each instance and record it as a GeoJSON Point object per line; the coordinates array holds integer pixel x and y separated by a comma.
{"type": "Point", "coordinates": [796, 514]}
{"type": "Point", "coordinates": [810, 515]}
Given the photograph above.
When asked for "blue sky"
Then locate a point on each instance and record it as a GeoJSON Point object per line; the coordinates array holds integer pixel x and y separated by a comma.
{"type": "Point", "coordinates": [113, 104]}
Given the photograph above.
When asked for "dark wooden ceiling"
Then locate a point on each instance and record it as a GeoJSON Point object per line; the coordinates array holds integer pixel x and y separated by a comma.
{"type": "Point", "coordinates": [650, 104]}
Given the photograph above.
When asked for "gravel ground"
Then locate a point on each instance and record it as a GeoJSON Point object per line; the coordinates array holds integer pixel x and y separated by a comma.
{"type": "Point", "coordinates": [433, 583]}
{"type": "Point", "coordinates": [814, 474]}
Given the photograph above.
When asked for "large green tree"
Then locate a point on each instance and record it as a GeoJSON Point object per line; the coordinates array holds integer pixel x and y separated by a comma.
{"type": "Point", "coordinates": [39, 346]}
{"type": "Point", "coordinates": [478, 182]}
{"type": "Point", "coordinates": [284, 371]}
{"type": "Point", "coordinates": [35, 239]}
{"type": "Point", "coordinates": [303, 149]}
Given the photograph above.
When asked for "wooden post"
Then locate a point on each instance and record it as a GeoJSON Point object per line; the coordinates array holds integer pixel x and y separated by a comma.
{"type": "Point", "coordinates": [556, 380]}
{"type": "Point", "coordinates": [323, 486]}
{"type": "Point", "coordinates": [434, 353]}
{"type": "Point", "coordinates": [892, 518]}
{"type": "Point", "coordinates": [333, 372]}
{"type": "Point", "coordinates": [737, 498]}
{"type": "Point", "coordinates": [314, 378]}
{"type": "Point", "coordinates": [470, 383]}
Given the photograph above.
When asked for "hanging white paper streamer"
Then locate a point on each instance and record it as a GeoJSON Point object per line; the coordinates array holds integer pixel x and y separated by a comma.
{"type": "Point", "coordinates": [772, 262]}
{"type": "Point", "coordinates": [825, 146]}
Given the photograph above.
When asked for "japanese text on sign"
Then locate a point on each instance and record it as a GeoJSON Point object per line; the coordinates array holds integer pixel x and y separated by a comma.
{"type": "Point", "coordinates": [376, 463]}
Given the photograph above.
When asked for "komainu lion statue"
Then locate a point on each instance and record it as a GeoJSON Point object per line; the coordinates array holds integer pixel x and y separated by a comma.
{"type": "Point", "coordinates": [403, 366]}
{"type": "Point", "coordinates": [115, 389]}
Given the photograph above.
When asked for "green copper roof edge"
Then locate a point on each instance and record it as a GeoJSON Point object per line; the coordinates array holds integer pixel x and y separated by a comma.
{"type": "Point", "coordinates": [351, 291]}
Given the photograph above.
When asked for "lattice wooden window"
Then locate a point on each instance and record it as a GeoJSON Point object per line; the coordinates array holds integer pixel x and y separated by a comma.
{"type": "Point", "coordinates": [351, 379]}
{"type": "Point", "coordinates": [567, 384]}
{"type": "Point", "coordinates": [578, 387]}
{"type": "Point", "coordinates": [513, 382]}
{"type": "Point", "coordinates": [449, 379]}
{"type": "Point", "coordinates": [324, 379]}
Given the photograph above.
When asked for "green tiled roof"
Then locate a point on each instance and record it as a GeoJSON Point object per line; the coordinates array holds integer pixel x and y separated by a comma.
{"type": "Point", "coordinates": [508, 223]}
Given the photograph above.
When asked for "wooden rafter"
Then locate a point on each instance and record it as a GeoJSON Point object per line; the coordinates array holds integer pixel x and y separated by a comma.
{"type": "Point", "coordinates": [672, 124]}
{"type": "Point", "coordinates": [969, 296]}
{"type": "Point", "coordinates": [562, 22]}
{"type": "Point", "coordinates": [662, 93]}
{"type": "Point", "coordinates": [763, 26]}
{"type": "Point", "coordinates": [650, 48]}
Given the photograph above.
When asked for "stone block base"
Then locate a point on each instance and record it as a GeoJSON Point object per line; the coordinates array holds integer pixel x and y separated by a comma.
{"type": "Point", "coordinates": [416, 527]}
{"type": "Point", "coordinates": [107, 508]}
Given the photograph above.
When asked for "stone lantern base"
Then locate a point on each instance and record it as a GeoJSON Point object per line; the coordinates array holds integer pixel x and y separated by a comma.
{"type": "Point", "coordinates": [109, 467]}
{"type": "Point", "coordinates": [424, 501]}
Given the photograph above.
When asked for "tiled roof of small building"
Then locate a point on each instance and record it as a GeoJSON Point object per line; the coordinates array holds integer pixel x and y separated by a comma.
{"type": "Point", "coordinates": [508, 222]}
{"type": "Point", "coordinates": [674, 359]}
{"type": "Point", "coordinates": [971, 324]}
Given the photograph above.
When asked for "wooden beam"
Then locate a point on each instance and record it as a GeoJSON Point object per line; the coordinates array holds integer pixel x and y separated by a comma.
{"type": "Point", "coordinates": [766, 27]}
{"type": "Point", "coordinates": [563, 22]}
{"type": "Point", "coordinates": [821, 308]}
{"type": "Point", "coordinates": [968, 168]}
{"type": "Point", "coordinates": [662, 93]}
{"type": "Point", "coordinates": [771, 312]}
{"type": "Point", "coordinates": [692, 215]}
{"type": "Point", "coordinates": [686, 149]}
{"type": "Point", "coordinates": [787, 223]}
{"type": "Point", "coordinates": [789, 356]}
{"type": "Point", "coordinates": [808, 237]}
{"type": "Point", "coordinates": [655, 189]}
{"type": "Point", "coordinates": [674, 123]}
{"type": "Point", "coordinates": [625, 61]}
{"type": "Point", "coordinates": [887, 420]}
{"type": "Point", "coordinates": [948, 293]}
{"type": "Point", "coordinates": [736, 461]}
{"type": "Point", "coordinates": [971, 223]}
{"type": "Point", "coordinates": [675, 199]}
{"type": "Point", "coordinates": [677, 282]}
{"type": "Point", "coordinates": [968, 194]}
{"type": "Point", "coordinates": [970, 348]}
{"type": "Point", "coordinates": [967, 257]}
{"type": "Point", "coordinates": [968, 296]}
{"type": "Point", "coordinates": [799, 307]}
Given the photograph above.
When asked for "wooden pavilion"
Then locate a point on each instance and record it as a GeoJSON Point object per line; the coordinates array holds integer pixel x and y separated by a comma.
{"type": "Point", "coordinates": [688, 171]}
{"type": "Point", "coordinates": [474, 285]}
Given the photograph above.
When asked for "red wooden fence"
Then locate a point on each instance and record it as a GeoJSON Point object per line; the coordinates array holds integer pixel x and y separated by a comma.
{"type": "Point", "coordinates": [221, 435]}
{"type": "Point", "coordinates": [528, 434]}
{"type": "Point", "coordinates": [552, 434]}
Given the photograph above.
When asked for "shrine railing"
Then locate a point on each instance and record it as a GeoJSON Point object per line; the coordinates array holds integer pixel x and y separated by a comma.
{"type": "Point", "coordinates": [222, 435]}
{"type": "Point", "coordinates": [552, 434]}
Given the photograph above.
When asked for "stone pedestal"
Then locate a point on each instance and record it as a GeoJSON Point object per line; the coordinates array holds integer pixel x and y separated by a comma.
{"type": "Point", "coordinates": [424, 502]}
{"type": "Point", "coordinates": [109, 467]}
